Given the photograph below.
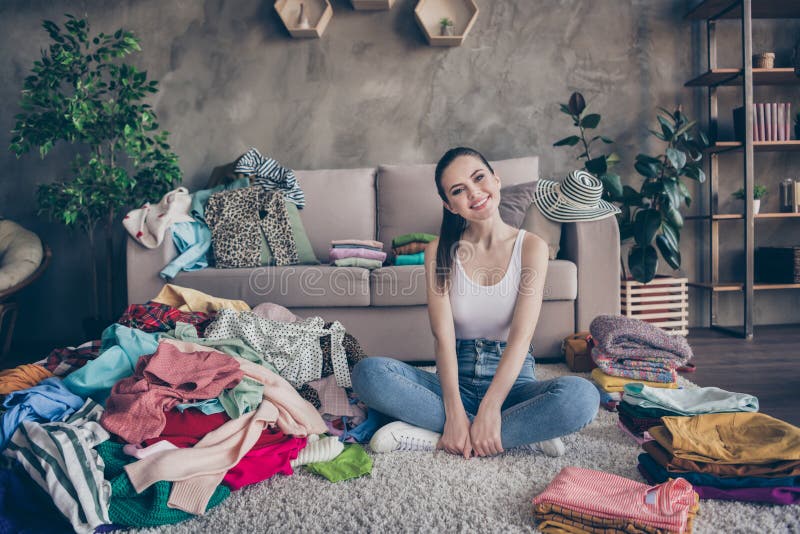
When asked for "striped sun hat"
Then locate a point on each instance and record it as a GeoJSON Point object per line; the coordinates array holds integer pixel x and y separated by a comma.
{"type": "Point", "coordinates": [577, 198]}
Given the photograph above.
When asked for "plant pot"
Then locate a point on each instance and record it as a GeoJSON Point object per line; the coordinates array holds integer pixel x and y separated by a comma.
{"type": "Point", "coordinates": [756, 205]}
{"type": "Point", "coordinates": [662, 302]}
{"type": "Point", "coordinates": [445, 31]}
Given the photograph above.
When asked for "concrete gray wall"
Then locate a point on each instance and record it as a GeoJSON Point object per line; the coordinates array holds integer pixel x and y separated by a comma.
{"type": "Point", "coordinates": [371, 91]}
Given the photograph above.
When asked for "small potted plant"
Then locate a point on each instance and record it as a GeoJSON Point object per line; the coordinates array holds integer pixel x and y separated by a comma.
{"type": "Point", "coordinates": [759, 191]}
{"type": "Point", "coordinates": [445, 26]}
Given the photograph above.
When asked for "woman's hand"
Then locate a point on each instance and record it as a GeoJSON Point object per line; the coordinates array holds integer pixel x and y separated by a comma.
{"type": "Point", "coordinates": [485, 432]}
{"type": "Point", "coordinates": [455, 438]}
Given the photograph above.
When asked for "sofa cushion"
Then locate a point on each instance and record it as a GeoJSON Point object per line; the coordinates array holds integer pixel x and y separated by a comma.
{"type": "Point", "coordinates": [408, 201]}
{"type": "Point", "coordinates": [290, 286]}
{"type": "Point", "coordinates": [405, 285]}
{"type": "Point", "coordinates": [340, 204]}
{"type": "Point", "coordinates": [514, 202]}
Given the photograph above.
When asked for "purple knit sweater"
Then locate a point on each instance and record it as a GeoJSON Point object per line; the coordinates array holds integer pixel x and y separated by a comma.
{"type": "Point", "coordinates": [623, 337]}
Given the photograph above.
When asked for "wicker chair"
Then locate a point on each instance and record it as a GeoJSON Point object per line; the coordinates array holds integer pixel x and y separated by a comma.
{"type": "Point", "coordinates": [23, 259]}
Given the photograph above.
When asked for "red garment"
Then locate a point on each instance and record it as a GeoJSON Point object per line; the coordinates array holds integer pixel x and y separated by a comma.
{"type": "Point", "coordinates": [157, 317]}
{"type": "Point", "coordinates": [185, 429]}
{"type": "Point", "coordinates": [271, 454]}
{"type": "Point", "coordinates": [261, 464]}
{"type": "Point", "coordinates": [604, 495]}
{"type": "Point", "coordinates": [135, 409]}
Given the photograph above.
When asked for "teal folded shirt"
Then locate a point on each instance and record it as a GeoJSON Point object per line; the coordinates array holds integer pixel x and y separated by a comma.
{"type": "Point", "coordinates": [410, 259]}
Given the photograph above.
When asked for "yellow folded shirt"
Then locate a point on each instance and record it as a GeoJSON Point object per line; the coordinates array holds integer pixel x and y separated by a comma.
{"type": "Point", "coordinates": [732, 438]}
{"type": "Point", "coordinates": [191, 300]}
{"type": "Point", "coordinates": [616, 383]}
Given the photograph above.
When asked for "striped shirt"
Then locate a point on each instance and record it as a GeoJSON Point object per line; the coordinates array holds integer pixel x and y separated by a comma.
{"type": "Point", "coordinates": [269, 174]}
{"type": "Point", "coordinates": [59, 457]}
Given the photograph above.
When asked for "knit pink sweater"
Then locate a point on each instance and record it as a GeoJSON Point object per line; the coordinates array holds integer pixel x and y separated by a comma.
{"type": "Point", "coordinates": [135, 409]}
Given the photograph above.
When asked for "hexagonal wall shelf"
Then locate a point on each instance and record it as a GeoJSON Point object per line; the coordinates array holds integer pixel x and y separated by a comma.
{"type": "Point", "coordinates": [372, 5]}
{"type": "Point", "coordinates": [429, 13]}
{"type": "Point", "coordinates": [317, 14]}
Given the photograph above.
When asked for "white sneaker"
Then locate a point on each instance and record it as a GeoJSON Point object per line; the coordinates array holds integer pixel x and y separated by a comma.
{"type": "Point", "coordinates": [549, 447]}
{"type": "Point", "coordinates": [400, 436]}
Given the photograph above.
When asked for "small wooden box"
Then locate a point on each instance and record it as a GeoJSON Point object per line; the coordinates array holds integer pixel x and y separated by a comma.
{"type": "Point", "coordinates": [663, 302]}
{"type": "Point", "coordinates": [577, 350]}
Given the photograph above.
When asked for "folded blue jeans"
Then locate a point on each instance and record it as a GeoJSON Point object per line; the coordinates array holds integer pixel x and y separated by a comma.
{"type": "Point", "coordinates": [533, 410]}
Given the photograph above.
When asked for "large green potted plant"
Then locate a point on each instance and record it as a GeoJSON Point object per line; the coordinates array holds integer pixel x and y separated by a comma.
{"type": "Point", "coordinates": [601, 164]}
{"type": "Point", "coordinates": [653, 214]}
{"type": "Point", "coordinates": [82, 93]}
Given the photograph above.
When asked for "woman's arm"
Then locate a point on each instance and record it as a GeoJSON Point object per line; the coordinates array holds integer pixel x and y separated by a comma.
{"type": "Point", "coordinates": [486, 427]}
{"type": "Point", "coordinates": [456, 433]}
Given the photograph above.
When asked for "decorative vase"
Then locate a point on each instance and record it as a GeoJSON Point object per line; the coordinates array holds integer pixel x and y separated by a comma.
{"type": "Point", "coordinates": [302, 19]}
{"type": "Point", "coordinates": [756, 205]}
{"type": "Point", "coordinates": [446, 30]}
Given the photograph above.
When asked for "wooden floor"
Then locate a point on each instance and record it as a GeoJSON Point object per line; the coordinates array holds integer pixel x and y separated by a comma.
{"type": "Point", "coordinates": [767, 367]}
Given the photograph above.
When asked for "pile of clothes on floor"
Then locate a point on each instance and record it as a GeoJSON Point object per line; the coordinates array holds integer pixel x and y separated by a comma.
{"type": "Point", "coordinates": [187, 398]}
{"type": "Point", "coordinates": [365, 253]}
{"type": "Point", "coordinates": [409, 249]}
{"type": "Point", "coordinates": [628, 350]}
{"type": "Point", "coordinates": [585, 500]}
{"type": "Point", "coordinates": [740, 456]}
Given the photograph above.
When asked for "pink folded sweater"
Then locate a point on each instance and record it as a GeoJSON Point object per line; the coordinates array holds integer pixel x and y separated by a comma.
{"type": "Point", "coordinates": [365, 242]}
{"type": "Point", "coordinates": [135, 409]}
{"type": "Point", "coordinates": [341, 253]}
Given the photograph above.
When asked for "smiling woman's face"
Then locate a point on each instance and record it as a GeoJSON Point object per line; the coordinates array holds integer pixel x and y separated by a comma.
{"type": "Point", "coordinates": [472, 190]}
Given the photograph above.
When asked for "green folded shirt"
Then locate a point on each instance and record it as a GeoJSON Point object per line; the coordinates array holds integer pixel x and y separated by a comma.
{"type": "Point", "coordinates": [366, 263]}
{"type": "Point", "coordinates": [405, 239]}
{"type": "Point", "coordinates": [353, 462]}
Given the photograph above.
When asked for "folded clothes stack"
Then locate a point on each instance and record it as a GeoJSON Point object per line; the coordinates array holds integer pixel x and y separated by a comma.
{"type": "Point", "coordinates": [740, 456]}
{"type": "Point", "coordinates": [642, 406]}
{"type": "Point", "coordinates": [585, 500]}
{"type": "Point", "coordinates": [366, 253]}
{"type": "Point", "coordinates": [629, 350]}
{"type": "Point", "coordinates": [409, 249]}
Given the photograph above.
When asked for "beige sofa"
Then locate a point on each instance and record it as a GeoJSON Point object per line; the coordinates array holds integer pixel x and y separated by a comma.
{"type": "Point", "coordinates": [385, 308]}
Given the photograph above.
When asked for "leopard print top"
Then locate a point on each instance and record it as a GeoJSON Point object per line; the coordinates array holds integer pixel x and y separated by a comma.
{"type": "Point", "coordinates": [237, 219]}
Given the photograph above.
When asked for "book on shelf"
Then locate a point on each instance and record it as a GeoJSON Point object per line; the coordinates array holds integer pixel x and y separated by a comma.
{"type": "Point", "coordinates": [768, 121]}
{"type": "Point", "coordinates": [772, 121]}
{"type": "Point", "coordinates": [774, 106]}
{"type": "Point", "coordinates": [788, 125]}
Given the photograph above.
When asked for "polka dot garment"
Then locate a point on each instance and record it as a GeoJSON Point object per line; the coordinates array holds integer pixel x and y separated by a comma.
{"type": "Point", "coordinates": [293, 348]}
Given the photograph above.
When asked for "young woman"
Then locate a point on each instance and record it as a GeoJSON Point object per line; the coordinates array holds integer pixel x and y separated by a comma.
{"type": "Point", "coordinates": [484, 285]}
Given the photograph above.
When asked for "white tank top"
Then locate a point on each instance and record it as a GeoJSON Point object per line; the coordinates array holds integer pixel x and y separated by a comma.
{"type": "Point", "coordinates": [486, 311]}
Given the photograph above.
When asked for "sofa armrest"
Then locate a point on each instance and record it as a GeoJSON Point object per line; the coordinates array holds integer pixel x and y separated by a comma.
{"type": "Point", "coordinates": [143, 265]}
{"type": "Point", "coordinates": [594, 248]}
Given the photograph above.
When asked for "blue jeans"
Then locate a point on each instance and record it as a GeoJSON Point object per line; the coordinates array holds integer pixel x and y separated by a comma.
{"type": "Point", "coordinates": [533, 410]}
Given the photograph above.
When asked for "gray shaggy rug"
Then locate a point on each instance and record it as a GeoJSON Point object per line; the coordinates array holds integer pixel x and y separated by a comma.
{"type": "Point", "coordinates": [437, 492]}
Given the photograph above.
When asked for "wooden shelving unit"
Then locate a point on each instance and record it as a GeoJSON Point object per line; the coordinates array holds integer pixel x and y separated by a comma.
{"type": "Point", "coordinates": [763, 9]}
{"type": "Point", "coordinates": [746, 77]}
